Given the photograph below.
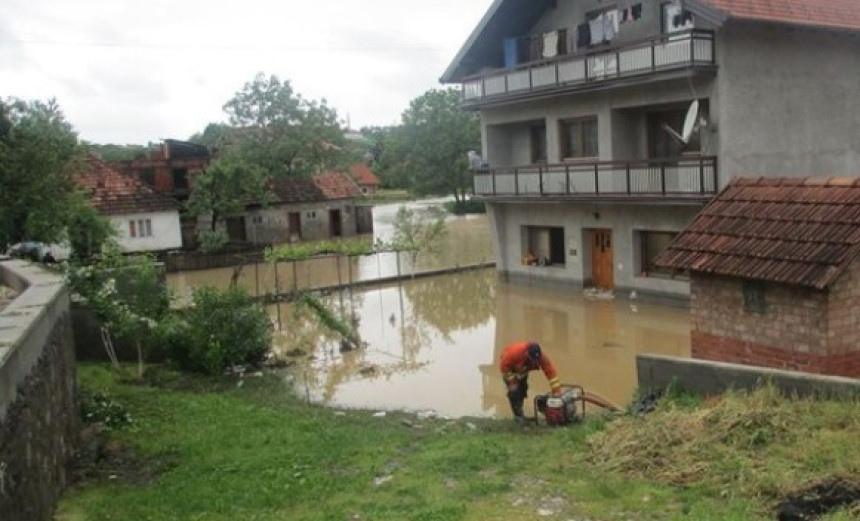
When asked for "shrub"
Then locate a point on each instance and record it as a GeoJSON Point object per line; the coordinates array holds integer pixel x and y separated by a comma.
{"type": "Point", "coordinates": [465, 207]}
{"type": "Point", "coordinates": [100, 407]}
{"type": "Point", "coordinates": [221, 329]}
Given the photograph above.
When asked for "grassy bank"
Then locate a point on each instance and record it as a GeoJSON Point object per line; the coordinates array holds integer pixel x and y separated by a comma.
{"type": "Point", "coordinates": [214, 450]}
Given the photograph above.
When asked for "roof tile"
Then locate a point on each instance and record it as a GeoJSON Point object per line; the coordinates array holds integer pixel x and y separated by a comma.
{"type": "Point", "coordinates": [798, 231]}
{"type": "Point", "coordinates": [839, 14]}
{"type": "Point", "coordinates": [113, 193]}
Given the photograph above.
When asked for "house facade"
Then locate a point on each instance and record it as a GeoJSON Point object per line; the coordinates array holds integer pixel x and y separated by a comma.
{"type": "Point", "coordinates": [775, 267]}
{"type": "Point", "coordinates": [145, 221]}
{"type": "Point", "coordinates": [304, 209]}
{"type": "Point", "coordinates": [606, 126]}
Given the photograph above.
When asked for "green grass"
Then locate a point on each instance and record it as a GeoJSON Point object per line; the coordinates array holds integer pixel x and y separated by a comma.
{"type": "Point", "coordinates": [255, 452]}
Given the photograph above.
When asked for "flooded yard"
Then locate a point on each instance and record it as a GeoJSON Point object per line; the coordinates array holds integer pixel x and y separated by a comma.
{"type": "Point", "coordinates": [435, 343]}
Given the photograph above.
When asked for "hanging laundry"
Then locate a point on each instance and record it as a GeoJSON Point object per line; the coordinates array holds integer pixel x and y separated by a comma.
{"type": "Point", "coordinates": [583, 36]}
{"type": "Point", "coordinates": [535, 48]}
{"type": "Point", "coordinates": [597, 29]}
{"type": "Point", "coordinates": [610, 25]}
{"type": "Point", "coordinates": [550, 44]}
{"type": "Point", "coordinates": [636, 12]}
{"type": "Point", "coordinates": [625, 15]}
{"type": "Point", "coordinates": [563, 47]}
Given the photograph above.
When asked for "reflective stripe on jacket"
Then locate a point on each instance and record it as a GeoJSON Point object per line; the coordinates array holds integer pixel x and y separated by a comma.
{"type": "Point", "coordinates": [515, 365]}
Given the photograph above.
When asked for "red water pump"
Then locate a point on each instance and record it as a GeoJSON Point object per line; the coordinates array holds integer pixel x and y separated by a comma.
{"type": "Point", "coordinates": [562, 409]}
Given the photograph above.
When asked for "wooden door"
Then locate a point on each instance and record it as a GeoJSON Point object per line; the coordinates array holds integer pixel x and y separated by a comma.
{"type": "Point", "coordinates": [295, 225]}
{"type": "Point", "coordinates": [335, 223]}
{"type": "Point", "coordinates": [236, 230]}
{"type": "Point", "coordinates": [601, 259]}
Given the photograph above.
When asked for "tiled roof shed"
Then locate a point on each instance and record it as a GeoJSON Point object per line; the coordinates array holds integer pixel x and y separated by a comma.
{"type": "Point", "coordinates": [336, 185]}
{"type": "Point", "coordinates": [363, 175]}
{"type": "Point", "coordinates": [834, 14]}
{"type": "Point", "coordinates": [295, 190]}
{"type": "Point", "coordinates": [786, 230]}
{"type": "Point", "coordinates": [113, 193]}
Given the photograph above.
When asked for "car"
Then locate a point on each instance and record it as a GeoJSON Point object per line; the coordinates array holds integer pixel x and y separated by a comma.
{"type": "Point", "coordinates": [32, 250]}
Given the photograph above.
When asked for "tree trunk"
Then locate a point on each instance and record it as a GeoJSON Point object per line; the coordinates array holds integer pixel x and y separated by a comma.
{"type": "Point", "coordinates": [139, 359]}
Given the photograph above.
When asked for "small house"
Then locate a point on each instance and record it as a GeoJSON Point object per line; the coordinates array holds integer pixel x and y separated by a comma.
{"type": "Point", "coordinates": [364, 177]}
{"type": "Point", "coordinates": [774, 265]}
{"type": "Point", "coordinates": [145, 220]}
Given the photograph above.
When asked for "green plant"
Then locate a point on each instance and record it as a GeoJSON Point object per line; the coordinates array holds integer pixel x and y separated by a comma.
{"type": "Point", "coordinates": [465, 206]}
{"type": "Point", "coordinates": [220, 329]}
{"type": "Point", "coordinates": [101, 407]}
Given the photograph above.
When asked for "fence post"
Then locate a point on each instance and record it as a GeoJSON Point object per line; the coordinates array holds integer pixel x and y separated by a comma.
{"type": "Point", "coordinates": [627, 169]}
{"type": "Point", "coordinates": [702, 174]}
{"type": "Point", "coordinates": [540, 179]}
{"type": "Point", "coordinates": [516, 181]}
{"type": "Point", "coordinates": [567, 179]}
{"type": "Point", "coordinates": [596, 179]}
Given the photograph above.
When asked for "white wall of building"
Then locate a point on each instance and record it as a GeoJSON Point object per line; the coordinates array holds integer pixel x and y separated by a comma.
{"type": "Point", "coordinates": [166, 233]}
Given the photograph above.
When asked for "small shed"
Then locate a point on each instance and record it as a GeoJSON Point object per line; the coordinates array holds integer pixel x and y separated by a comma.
{"type": "Point", "coordinates": [775, 274]}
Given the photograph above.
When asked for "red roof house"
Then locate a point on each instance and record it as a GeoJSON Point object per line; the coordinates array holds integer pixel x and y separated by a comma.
{"type": "Point", "coordinates": [364, 178]}
{"type": "Point", "coordinates": [775, 274]}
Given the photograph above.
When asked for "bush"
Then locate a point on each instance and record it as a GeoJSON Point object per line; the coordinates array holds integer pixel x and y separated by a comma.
{"type": "Point", "coordinates": [100, 407]}
{"type": "Point", "coordinates": [221, 329]}
{"type": "Point", "coordinates": [465, 207]}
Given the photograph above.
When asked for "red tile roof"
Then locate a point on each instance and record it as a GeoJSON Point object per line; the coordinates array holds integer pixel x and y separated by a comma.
{"type": "Point", "coordinates": [113, 193]}
{"type": "Point", "coordinates": [295, 190]}
{"type": "Point", "coordinates": [794, 231]}
{"type": "Point", "coordinates": [840, 14]}
{"type": "Point", "coordinates": [336, 185]}
{"type": "Point", "coordinates": [363, 175]}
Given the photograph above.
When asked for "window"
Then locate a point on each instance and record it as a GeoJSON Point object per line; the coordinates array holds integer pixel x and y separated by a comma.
{"type": "Point", "coordinates": [140, 228]}
{"type": "Point", "coordinates": [147, 176]}
{"type": "Point", "coordinates": [651, 244]}
{"type": "Point", "coordinates": [538, 143]}
{"type": "Point", "coordinates": [543, 245]}
{"type": "Point", "coordinates": [579, 138]}
{"type": "Point", "coordinates": [180, 179]}
{"type": "Point", "coordinates": [754, 301]}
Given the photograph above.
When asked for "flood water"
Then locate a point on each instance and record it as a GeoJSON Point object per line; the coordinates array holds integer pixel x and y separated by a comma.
{"type": "Point", "coordinates": [434, 343]}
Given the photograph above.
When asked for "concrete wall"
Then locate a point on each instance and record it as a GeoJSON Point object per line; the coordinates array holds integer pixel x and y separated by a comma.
{"type": "Point", "coordinates": [657, 372]}
{"type": "Point", "coordinates": [796, 331]}
{"type": "Point", "coordinates": [273, 225]}
{"type": "Point", "coordinates": [790, 101]}
{"type": "Point", "coordinates": [508, 220]}
{"type": "Point", "coordinates": [39, 421]}
{"type": "Point", "coordinates": [166, 231]}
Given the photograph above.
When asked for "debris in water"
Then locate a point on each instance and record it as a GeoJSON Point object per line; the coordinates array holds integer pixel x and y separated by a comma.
{"type": "Point", "coordinates": [380, 414]}
{"type": "Point", "coordinates": [426, 415]}
{"type": "Point", "coordinates": [368, 370]}
{"type": "Point", "coordinates": [295, 353]}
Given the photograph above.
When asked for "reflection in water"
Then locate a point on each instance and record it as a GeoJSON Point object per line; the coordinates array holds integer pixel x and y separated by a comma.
{"type": "Point", "coordinates": [434, 343]}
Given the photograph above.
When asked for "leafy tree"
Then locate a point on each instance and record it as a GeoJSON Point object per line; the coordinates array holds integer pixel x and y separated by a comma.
{"type": "Point", "coordinates": [431, 148]}
{"type": "Point", "coordinates": [223, 190]}
{"type": "Point", "coordinates": [37, 146]}
{"type": "Point", "coordinates": [282, 132]}
{"type": "Point", "coordinates": [127, 294]}
{"type": "Point", "coordinates": [88, 231]}
{"type": "Point", "coordinates": [417, 233]}
{"type": "Point", "coordinates": [111, 152]}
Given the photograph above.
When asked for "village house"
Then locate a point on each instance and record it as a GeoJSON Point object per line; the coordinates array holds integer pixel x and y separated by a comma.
{"type": "Point", "coordinates": [364, 177]}
{"type": "Point", "coordinates": [607, 125]}
{"type": "Point", "coordinates": [145, 220]}
{"type": "Point", "coordinates": [322, 207]}
{"type": "Point", "coordinates": [775, 268]}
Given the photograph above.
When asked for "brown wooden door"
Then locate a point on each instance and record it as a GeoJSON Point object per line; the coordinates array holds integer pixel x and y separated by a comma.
{"type": "Point", "coordinates": [601, 259]}
{"type": "Point", "coordinates": [335, 223]}
{"type": "Point", "coordinates": [295, 225]}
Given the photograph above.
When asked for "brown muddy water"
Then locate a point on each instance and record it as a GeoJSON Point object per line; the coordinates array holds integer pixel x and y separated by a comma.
{"type": "Point", "coordinates": [434, 343]}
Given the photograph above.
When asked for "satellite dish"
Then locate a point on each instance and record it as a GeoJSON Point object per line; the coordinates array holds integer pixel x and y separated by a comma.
{"type": "Point", "coordinates": [692, 123]}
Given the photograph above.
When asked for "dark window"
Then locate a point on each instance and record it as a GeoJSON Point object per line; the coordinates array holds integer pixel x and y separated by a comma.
{"type": "Point", "coordinates": [147, 176]}
{"type": "Point", "coordinates": [579, 138]}
{"type": "Point", "coordinates": [754, 300]}
{"type": "Point", "coordinates": [538, 143]}
{"type": "Point", "coordinates": [543, 246]}
{"type": "Point", "coordinates": [651, 244]}
{"type": "Point", "coordinates": [180, 179]}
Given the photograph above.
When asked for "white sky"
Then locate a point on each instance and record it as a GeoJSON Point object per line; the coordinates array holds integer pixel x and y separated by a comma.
{"type": "Point", "coordinates": [127, 71]}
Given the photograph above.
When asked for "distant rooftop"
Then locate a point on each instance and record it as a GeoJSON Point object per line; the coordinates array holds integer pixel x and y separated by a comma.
{"type": "Point", "coordinates": [788, 230]}
{"type": "Point", "coordinates": [113, 193]}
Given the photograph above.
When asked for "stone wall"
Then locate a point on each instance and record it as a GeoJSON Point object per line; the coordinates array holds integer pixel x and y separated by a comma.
{"type": "Point", "coordinates": [801, 329]}
{"type": "Point", "coordinates": [39, 421]}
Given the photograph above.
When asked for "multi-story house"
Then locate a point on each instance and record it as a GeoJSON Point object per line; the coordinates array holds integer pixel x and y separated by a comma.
{"type": "Point", "coordinates": [607, 125]}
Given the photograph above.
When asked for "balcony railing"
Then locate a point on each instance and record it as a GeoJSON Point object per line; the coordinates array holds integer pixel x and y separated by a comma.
{"type": "Point", "coordinates": [678, 51]}
{"type": "Point", "coordinates": [649, 179]}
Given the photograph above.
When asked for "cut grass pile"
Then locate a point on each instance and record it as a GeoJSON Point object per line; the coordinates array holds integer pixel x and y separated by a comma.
{"type": "Point", "coordinates": [210, 449]}
{"type": "Point", "coordinates": [757, 444]}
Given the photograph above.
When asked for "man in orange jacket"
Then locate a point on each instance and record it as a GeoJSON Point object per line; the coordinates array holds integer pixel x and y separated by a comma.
{"type": "Point", "coordinates": [517, 360]}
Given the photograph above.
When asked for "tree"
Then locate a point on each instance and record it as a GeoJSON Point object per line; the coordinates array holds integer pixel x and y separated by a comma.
{"type": "Point", "coordinates": [282, 132]}
{"type": "Point", "coordinates": [431, 149]}
{"type": "Point", "coordinates": [222, 190]}
{"type": "Point", "coordinates": [416, 233]}
{"type": "Point", "coordinates": [37, 148]}
{"type": "Point", "coordinates": [127, 295]}
{"type": "Point", "coordinates": [88, 231]}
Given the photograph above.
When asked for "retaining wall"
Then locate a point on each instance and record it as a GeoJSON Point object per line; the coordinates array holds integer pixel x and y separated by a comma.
{"type": "Point", "coordinates": [39, 420]}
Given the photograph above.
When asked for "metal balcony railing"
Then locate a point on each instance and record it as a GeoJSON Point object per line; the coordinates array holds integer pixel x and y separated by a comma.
{"type": "Point", "coordinates": [693, 178]}
{"type": "Point", "coordinates": [677, 51]}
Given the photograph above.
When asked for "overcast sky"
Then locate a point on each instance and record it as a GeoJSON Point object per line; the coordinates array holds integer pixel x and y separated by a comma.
{"type": "Point", "coordinates": [127, 71]}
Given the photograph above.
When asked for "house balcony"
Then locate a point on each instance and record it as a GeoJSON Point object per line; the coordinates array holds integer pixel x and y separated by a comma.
{"type": "Point", "coordinates": [675, 180]}
{"type": "Point", "coordinates": [647, 60]}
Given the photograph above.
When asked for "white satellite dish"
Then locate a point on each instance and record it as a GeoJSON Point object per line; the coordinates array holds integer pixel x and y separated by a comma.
{"type": "Point", "coordinates": [691, 124]}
